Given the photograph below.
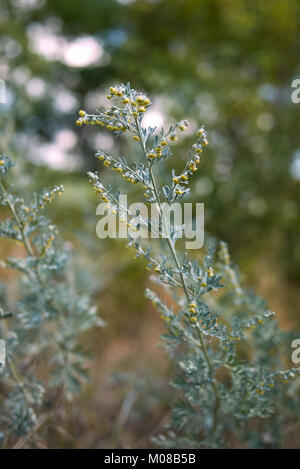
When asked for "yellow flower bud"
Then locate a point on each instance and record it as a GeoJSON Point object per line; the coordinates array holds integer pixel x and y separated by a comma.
{"type": "Point", "coordinates": [193, 167]}
{"type": "Point", "coordinates": [97, 190]}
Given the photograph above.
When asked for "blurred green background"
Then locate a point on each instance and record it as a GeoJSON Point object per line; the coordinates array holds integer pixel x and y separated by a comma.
{"type": "Point", "coordinates": [228, 64]}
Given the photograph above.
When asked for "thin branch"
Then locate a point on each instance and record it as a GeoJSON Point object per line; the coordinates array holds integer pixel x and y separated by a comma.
{"type": "Point", "coordinates": [176, 260]}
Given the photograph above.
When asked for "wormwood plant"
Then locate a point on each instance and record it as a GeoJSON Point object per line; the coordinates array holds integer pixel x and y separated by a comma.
{"type": "Point", "coordinates": [42, 328]}
{"type": "Point", "coordinates": [228, 351]}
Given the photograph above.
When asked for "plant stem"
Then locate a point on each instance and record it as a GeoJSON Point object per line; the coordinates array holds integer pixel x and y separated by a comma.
{"type": "Point", "coordinates": [184, 285]}
{"type": "Point", "coordinates": [12, 366]}
{"type": "Point", "coordinates": [16, 217]}
{"type": "Point", "coordinates": [25, 240]}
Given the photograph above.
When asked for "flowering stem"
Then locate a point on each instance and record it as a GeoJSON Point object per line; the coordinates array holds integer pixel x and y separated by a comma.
{"type": "Point", "coordinates": [184, 285]}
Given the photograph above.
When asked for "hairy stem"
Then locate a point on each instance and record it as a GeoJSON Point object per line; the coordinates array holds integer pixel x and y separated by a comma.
{"type": "Point", "coordinates": [184, 285]}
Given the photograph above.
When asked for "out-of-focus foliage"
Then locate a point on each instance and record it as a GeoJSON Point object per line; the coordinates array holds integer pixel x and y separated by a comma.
{"type": "Point", "coordinates": [41, 328]}
{"type": "Point", "coordinates": [229, 63]}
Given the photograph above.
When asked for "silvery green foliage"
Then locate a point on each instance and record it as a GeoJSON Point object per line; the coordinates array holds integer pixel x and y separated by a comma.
{"type": "Point", "coordinates": [233, 381]}
{"type": "Point", "coordinates": [45, 323]}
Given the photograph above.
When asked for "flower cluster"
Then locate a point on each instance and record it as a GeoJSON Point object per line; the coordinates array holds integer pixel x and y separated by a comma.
{"type": "Point", "coordinates": [192, 165]}
{"type": "Point", "coordinates": [120, 117]}
{"type": "Point", "coordinates": [128, 116]}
